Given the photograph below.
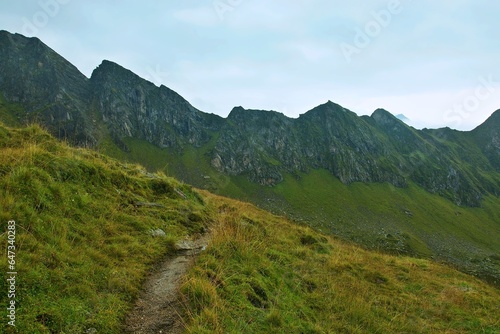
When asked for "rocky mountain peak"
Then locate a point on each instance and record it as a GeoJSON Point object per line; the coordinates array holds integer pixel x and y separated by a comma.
{"type": "Point", "coordinates": [493, 121]}
{"type": "Point", "coordinates": [263, 145]}
{"type": "Point", "coordinates": [325, 110]}
{"type": "Point", "coordinates": [403, 118]}
{"type": "Point", "coordinates": [393, 126]}
{"type": "Point", "coordinates": [109, 70]}
{"type": "Point", "coordinates": [52, 90]}
{"type": "Point", "coordinates": [487, 136]}
{"type": "Point", "coordinates": [382, 116]}
{"type": "Point", "coordinates": [255, 117]}
{"type": "Point", "coordinates": [236, 112]}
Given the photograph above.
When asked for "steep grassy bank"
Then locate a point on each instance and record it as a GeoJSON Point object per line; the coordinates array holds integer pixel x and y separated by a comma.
{"type": "Point", "coordinates": [84, 240]}
{"type": "Point", "coordinates": [262, 274]}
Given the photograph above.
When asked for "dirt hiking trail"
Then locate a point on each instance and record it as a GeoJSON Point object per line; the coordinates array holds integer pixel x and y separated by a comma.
{"type": "Point", "coordinates": [157, 308]}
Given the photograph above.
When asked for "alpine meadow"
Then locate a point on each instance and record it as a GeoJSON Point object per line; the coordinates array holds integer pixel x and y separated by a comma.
{"type": "Point", "coordinates": [330, 222]}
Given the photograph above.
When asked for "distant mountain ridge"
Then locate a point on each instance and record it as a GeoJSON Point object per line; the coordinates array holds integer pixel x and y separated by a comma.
{"type": "Point", "coordinates": [262, 145]}
{"type": "Point", "coordinates": [403, 118]}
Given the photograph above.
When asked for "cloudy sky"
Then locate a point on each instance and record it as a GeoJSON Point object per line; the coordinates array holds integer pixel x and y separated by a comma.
{"type": "Point", "coordinates": [434, 61]}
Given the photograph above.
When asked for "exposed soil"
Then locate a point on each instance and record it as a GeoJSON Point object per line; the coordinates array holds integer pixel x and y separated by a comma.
{"type": "Point", "coordinates": [157, 310]}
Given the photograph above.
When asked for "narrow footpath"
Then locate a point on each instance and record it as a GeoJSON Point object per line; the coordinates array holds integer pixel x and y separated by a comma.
{"type": "Point", "coordinates": [157, 309]}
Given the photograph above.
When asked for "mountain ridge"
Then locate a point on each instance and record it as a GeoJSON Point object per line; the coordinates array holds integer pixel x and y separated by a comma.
{"type": "Point", "coordinates": [116, 103]}
{"type": "Point", "coordinates": [371, 179]}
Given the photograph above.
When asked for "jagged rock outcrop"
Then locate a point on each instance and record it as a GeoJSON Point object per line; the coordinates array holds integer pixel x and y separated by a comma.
{"type": "Point", "coordinates": [347, 145]}
{"type": "Point", "coordinates": [256, 143]}
{"type": "Point", "coordinates": [134, 107]}
{"type": "Point", "coordinates": [381, 148]}
{"type": "Point", "coordinates": [51, 90]}
{"type": "Point", "coordinates": [263, 145]}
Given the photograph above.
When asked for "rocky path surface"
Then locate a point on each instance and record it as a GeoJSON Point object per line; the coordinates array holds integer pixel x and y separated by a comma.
{"type": "Point", "coordinates": [157, 308]}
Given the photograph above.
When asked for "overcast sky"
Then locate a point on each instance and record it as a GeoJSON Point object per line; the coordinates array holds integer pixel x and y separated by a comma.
{"type": "Point", "coordinates": [434, 61]}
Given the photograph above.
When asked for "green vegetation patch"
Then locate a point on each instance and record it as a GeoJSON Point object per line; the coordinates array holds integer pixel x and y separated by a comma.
{"type": "Point", "coordinates": [263, 274]}
{"type": "Point", "coordinates": [408, 221]}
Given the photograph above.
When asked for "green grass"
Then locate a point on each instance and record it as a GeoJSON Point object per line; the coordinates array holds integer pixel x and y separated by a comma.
{"type": "Point", "coordinates": [9, 112]}
{"type": "Point", "coordinates": [402, 220]}
{"type": "Point", "coordinates": [83, 246]}
{"type": "Point", "coordinates": [264, 274]}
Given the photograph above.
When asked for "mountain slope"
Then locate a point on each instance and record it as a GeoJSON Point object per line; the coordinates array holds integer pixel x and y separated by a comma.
{"type": "Point", "coordinates": [132, 107]}
{"type": "Point", "coordinates": [263, 145]}
{"type": "Point", "coordinates": [261, 274]}
{"type": "Point", "coordinates": [431, 192]}
{"type": "Point", "coordinates": [89, 229]}
{"type": "Point", "coordinates": [487, 137]}
{"type": "Point", "coordinates": [51, 90]}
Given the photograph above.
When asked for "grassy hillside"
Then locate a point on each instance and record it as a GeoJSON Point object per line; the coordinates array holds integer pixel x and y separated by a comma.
{"type": "Point", "coordinates": [84, 245]}
{"type": "Point", "coordinates": [262, 274]}
{"type": "Point", "coordinates": [378, 216]}
{"type": "Point", "coordinates": [403, 221]}
{"type": "Point", "coordinates": [83, 231]}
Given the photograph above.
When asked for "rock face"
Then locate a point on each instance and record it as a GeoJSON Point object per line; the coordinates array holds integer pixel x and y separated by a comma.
{"type": "Point", "coordinates": [134, 107]}
{"type": "Point", "coordinates": [54, 93]}
{"type": "Point", "coordinates": [51, 90]}
{"type": "Point", "coordinates": [263, 145]}
{"type": "Point", "coordinates": [487, 137]}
